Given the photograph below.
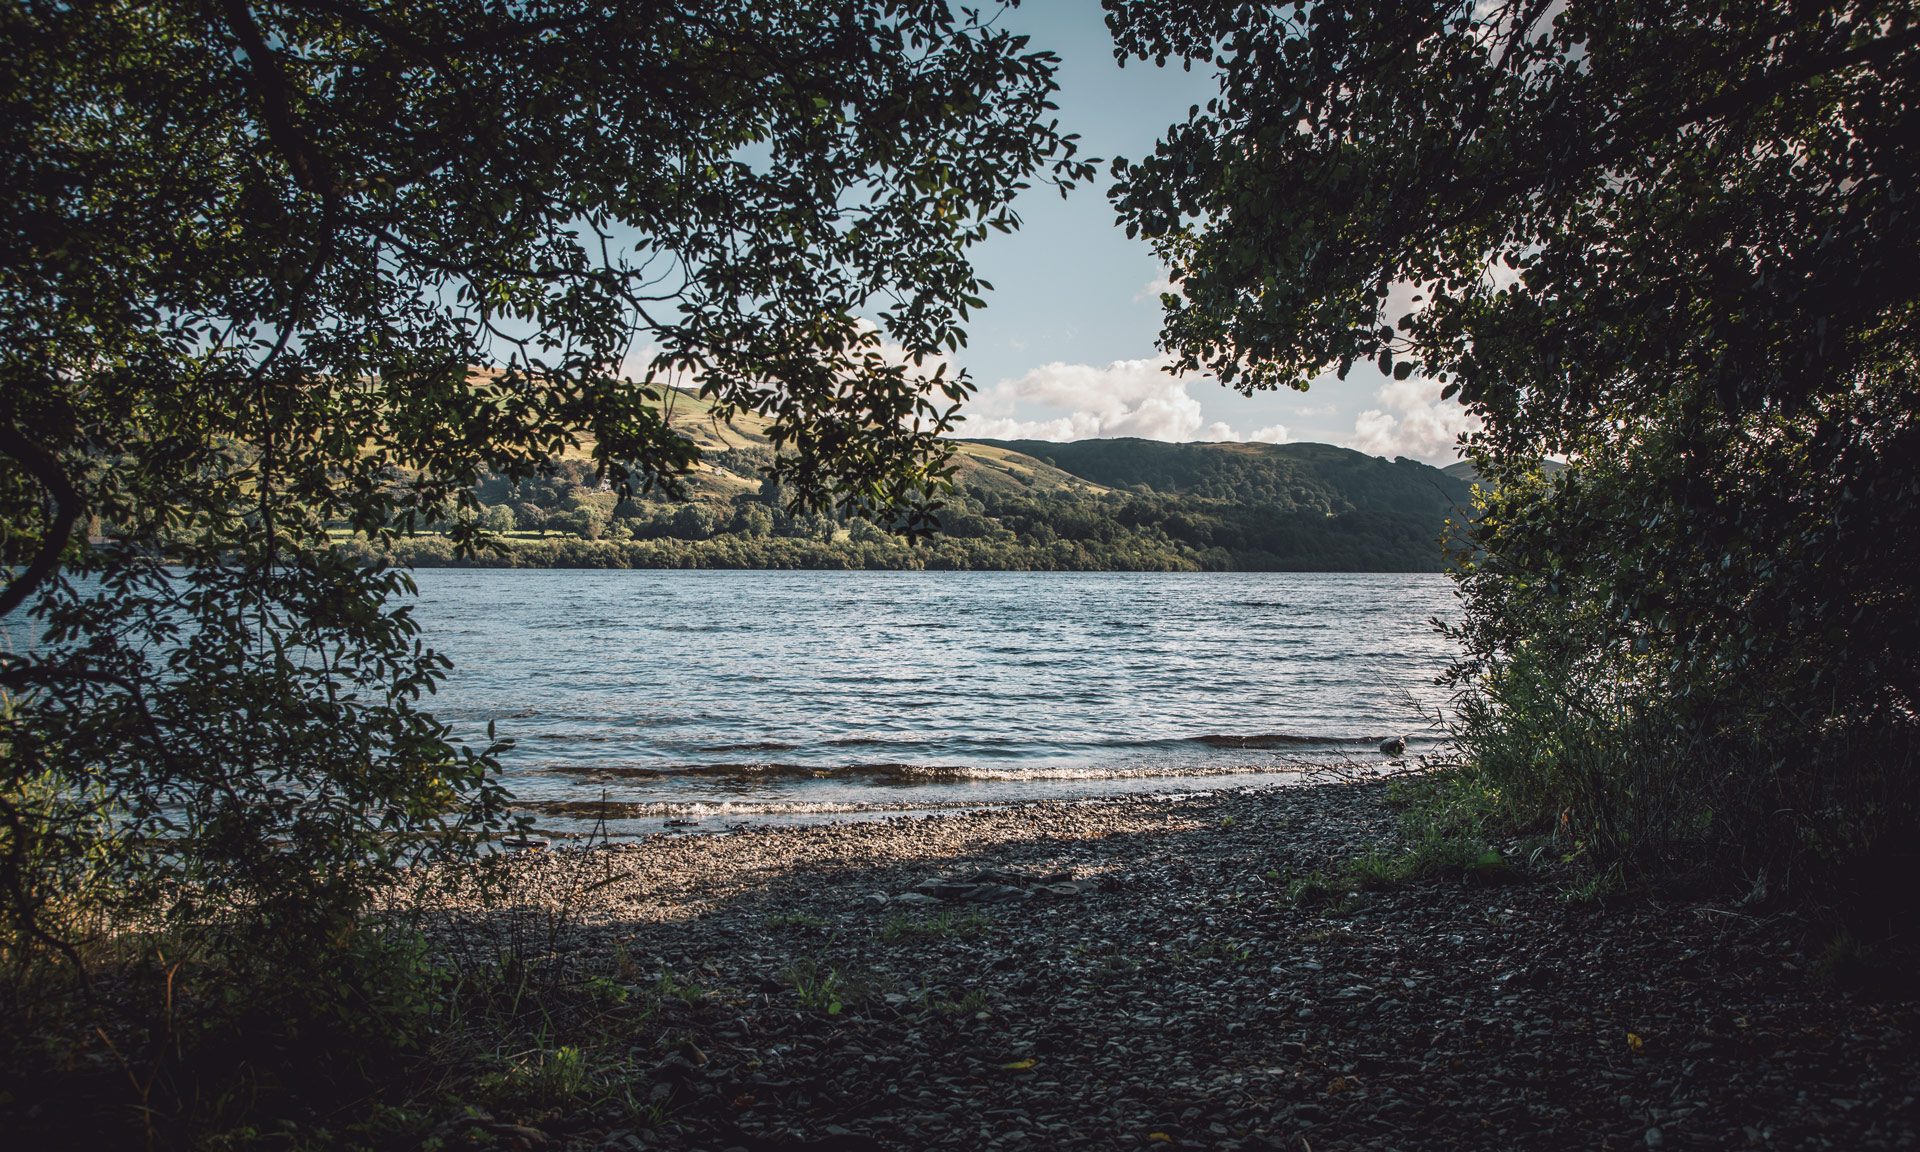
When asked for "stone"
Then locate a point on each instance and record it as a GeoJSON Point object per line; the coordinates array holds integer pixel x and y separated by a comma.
{"type": "Point", "coordinates": [996, 893]}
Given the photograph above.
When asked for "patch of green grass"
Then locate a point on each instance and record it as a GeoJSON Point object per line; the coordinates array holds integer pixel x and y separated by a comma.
{"type": "Point", "coordinates": [670, 987]}
{"type": "Point", "coordinates": [942, 925]}
{"type": "Point", "coordinates": [605, 991]}
{"type": "Point", "coordinates": [828, 989]}
{"type": "Point", "coordinates": [1597, 886]}
{"type": "Point", "coordinates": [1470, 860]}
{"type": "Point", "coordinates": [549, 1078]}
{"type": "Point", "coordinates": [969, 1003]}
{"type": "Point", "coordinates": [1309, 890]}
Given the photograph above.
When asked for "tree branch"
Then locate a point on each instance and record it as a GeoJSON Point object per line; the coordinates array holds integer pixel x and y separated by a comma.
{"type": "Point", "coordinates": [270, 84]}
{"type": "Point", "coordinates": [66, 504]}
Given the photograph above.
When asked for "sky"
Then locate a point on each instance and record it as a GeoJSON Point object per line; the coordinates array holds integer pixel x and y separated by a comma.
{"type": "Point", "coordinates": [1065, 347]}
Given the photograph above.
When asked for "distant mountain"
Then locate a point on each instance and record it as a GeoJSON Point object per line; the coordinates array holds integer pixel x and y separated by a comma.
{"type": "Point", "coordinates": [1288, 478]}
{"type": "Point", "coordinates": [1108, 505]}
{"type": "Point", "coordinates": [733, 449]}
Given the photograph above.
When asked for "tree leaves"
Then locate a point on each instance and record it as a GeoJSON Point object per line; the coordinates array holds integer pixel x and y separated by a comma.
{"type": "Point", "coordinates": [274, 271]}
{"type": "Point", "coordinates": [1669, 245]}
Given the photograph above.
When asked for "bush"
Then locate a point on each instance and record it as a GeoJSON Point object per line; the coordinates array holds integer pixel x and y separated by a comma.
{"type": "Point", "coordinates": [1684, 681]}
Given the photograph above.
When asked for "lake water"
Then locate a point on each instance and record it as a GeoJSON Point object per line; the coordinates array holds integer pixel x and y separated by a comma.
{"type": "Point", "coordinates": [713, 698]}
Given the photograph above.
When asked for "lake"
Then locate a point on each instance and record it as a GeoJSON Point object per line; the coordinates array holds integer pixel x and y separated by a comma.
{"type": "Point", "coordinates": [705, 699]}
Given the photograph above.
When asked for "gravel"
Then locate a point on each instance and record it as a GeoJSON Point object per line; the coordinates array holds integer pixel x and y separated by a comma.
{"type": "Point", "coordinates": [1129, 973]}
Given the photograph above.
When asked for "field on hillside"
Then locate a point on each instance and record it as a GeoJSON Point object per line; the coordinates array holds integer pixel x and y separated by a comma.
{"type": "Point", "coordinates": [1111, 505]}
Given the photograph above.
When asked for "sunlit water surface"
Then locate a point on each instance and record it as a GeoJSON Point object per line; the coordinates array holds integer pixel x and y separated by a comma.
{"type": "Point", "coordinates": [713, 698]}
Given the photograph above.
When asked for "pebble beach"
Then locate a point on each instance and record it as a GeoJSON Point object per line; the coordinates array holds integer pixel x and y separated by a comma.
{"type": "Point", "coordinates": [1140, 972]}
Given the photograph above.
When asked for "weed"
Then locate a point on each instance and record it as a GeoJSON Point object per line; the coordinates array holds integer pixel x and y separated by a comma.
{"type": "Point", "coordinates": [824, 988]}
{"type": "Point", "coordinates": [1597, 886]}
{"type": "Point", "coordinates": [669, 987]}
{"type": "Point", "coordinates": [547, 1078]}
{"type": "Point", "coordinates": [605, 991]}
{"type": "Point", "coordinates": [968, 1004]}
{"type": "Point", "coordinates": [1310, 890]}
{"type": "Point", "coordinates": [819, 990]}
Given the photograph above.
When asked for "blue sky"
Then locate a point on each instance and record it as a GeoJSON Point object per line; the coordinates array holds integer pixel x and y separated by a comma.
{"type": "Point", "coordinates": [1065, 348]}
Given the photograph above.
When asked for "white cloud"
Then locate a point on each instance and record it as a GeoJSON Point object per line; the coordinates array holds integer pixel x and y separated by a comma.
{"type": "Point", "coordinates": [1322, 410]}
{"type": "Point", "coordinates": [1271, 434]}
{"type": "Point", "coordinates": [1157, 287]}
{"type": "Point", "coordinates": [1126, 398]}
{"type": "Point", "coordinates": [1412, 421]}
{"type": "Point", "coordinates": [1219, 430]}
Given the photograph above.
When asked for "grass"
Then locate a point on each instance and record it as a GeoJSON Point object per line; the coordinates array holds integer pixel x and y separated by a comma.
{"type": "Point", "coordinates": [162, 1039]}
{"type": "Point", "coordinates": [1445, 823]}
{"type": "Point", "coordinates": [670, 987]}
{"type": "Point", "coordinates": [820, 989]}
{"type": "Point", "coordinates": [970, 1002]}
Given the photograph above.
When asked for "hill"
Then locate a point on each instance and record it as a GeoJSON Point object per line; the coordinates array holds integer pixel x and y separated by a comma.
{"type": "Point", "coordinates": [735, 449]}
{"type": "Point", "coordinates": [1110, 505]}
{"type": "Point", "coordinates": [1465, 471]}
{"type": "Point", "coordinates": [1286, 477]}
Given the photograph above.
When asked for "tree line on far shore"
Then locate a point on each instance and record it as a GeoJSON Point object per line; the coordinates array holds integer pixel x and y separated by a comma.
{"type": "Point", "coordinates": [570, 520]}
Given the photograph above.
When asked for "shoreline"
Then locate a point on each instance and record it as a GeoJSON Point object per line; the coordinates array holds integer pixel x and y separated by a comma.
{"type": "Point", "coordinates": [1131, 973]}
{"type": "Point", "coordinates": [630, 821]}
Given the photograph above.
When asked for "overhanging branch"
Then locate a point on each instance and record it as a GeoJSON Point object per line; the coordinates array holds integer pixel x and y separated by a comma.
{"type": "Point", "coordinates": [66, 510]}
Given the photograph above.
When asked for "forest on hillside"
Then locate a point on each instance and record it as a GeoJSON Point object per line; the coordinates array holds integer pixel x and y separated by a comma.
{"type": "Point", "coordinates": [1307, 507]}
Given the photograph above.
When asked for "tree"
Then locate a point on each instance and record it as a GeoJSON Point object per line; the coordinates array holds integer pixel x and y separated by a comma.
{"type": "Point", "coordinates": [1674, 244]}
{"type": "Point", "coordinates": [271, 265]}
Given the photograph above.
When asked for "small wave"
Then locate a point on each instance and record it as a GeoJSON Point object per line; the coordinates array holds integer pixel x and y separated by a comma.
{"type": "Point", "coordinates": [1281, 740]}
{"type": "Point", "coordinates": [596, 770]}
{"type": "Point", "coordinates": [756, 746]}
{"type": "Point", "coordinates": [701, 810]}
{"type": "Point", "coordinates": [892, 773]}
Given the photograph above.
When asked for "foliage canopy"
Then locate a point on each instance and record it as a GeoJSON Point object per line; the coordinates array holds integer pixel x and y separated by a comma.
{"type": "Point", "coordinates": [272, 265]}
{"type": "Point", "coordinates": [1674, 244]}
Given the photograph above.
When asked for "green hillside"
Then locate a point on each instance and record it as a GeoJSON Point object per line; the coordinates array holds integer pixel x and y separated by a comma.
{"type": "Point", "coordinates": [1106, 505]}
{"type": "Point", "coordinates": [1465, 471]}
{"type": "Point", "coordinates": [1285, 477]}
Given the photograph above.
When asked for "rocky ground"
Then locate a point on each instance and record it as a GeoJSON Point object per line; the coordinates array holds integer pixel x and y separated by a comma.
{"type": "Point", "coordinates": [1140, 973]}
